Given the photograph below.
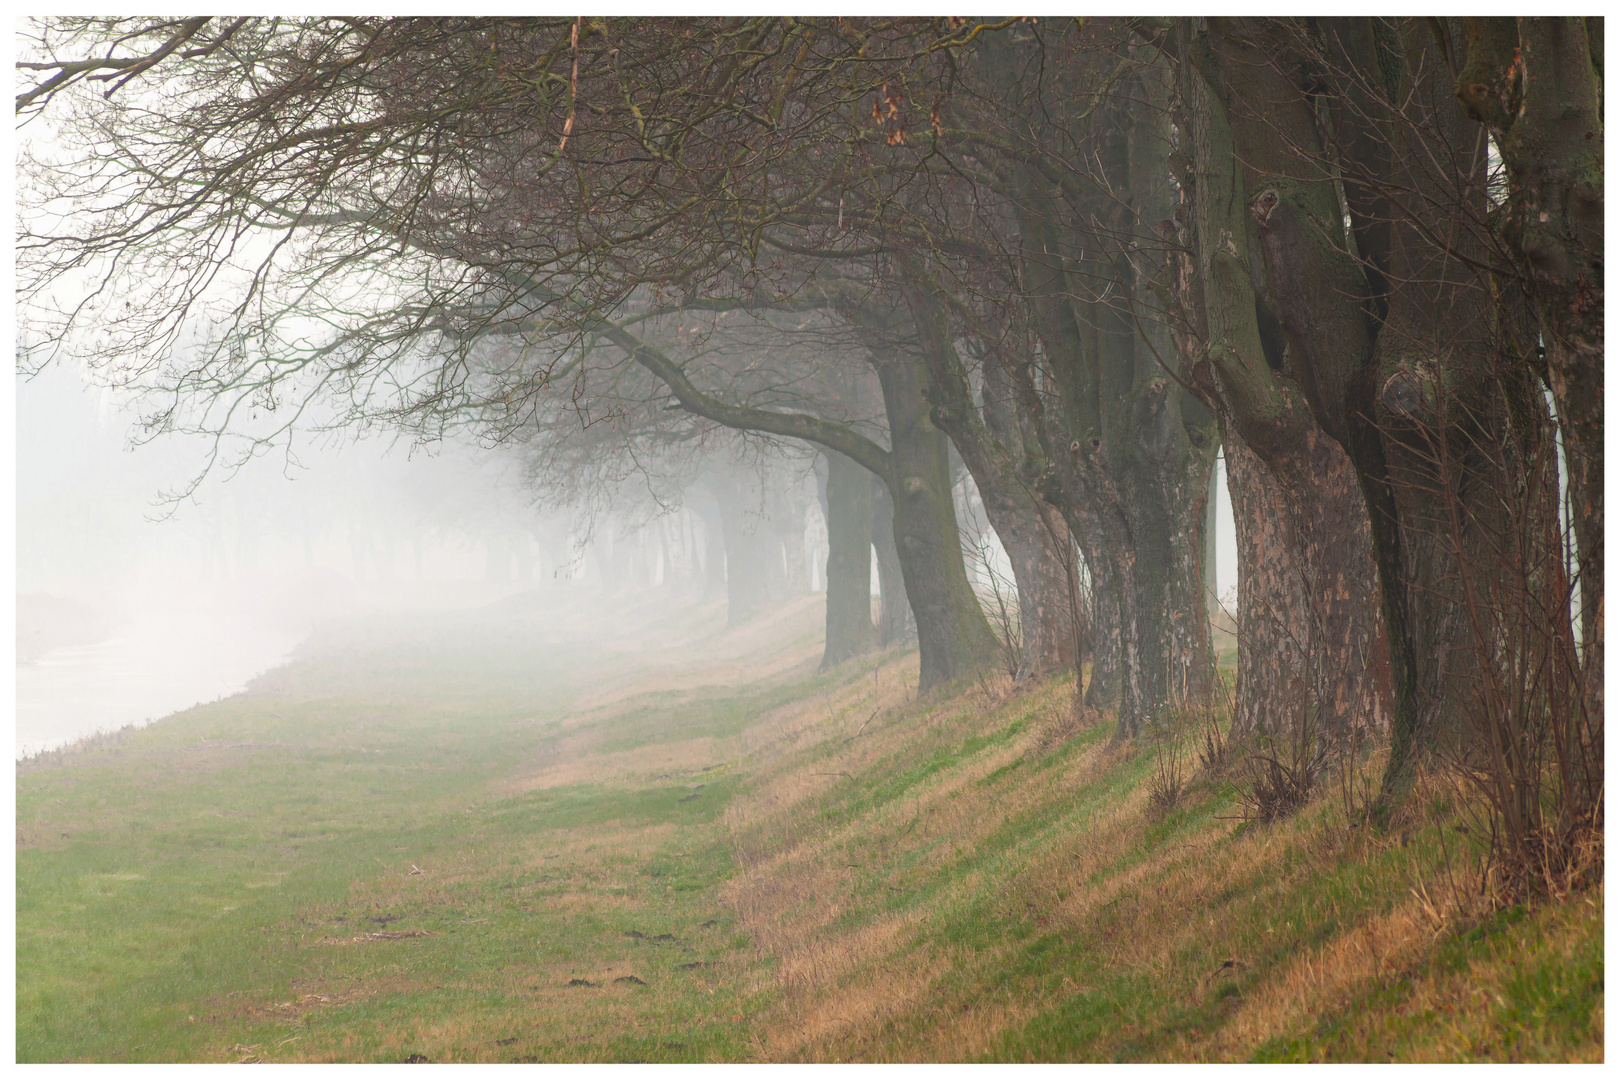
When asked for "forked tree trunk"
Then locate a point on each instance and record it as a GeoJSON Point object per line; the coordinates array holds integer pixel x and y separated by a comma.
{"type": "Point", "coordinates": [1130, 457]}
{"type": "Point", "coordinates": [989, 445]}
{"type": "Point", "coordinates": [1308, 611]}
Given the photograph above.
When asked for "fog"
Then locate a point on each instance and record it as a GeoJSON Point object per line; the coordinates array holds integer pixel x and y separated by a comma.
{"type": "Point", "coordinates": [133, 603]}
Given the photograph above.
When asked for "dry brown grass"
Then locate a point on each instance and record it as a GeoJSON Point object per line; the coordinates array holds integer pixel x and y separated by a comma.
{"type": "Point", "coordinates": [856, 979]}
{"type": "Point", "coordinates": [575, 764]}
{"type": "Point", "coordinates": [839, 988]}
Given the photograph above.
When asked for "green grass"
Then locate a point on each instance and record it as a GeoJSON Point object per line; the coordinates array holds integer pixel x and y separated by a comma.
{"type": "Point", "coordinates": [801, 867]}
{"type": "Point", "coordinates": [197, 885]}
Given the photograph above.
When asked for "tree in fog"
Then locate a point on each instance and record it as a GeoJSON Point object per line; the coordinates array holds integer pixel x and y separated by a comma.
{"type": "Point", "coordinates": [1361, 253]}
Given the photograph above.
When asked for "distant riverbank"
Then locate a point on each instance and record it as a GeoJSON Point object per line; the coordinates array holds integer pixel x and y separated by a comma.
{"type": "Point", "coordinates": [144, 672]}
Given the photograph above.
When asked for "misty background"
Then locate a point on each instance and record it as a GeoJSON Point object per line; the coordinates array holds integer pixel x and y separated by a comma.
{"type": "Point", "coordinates": [133, 604]}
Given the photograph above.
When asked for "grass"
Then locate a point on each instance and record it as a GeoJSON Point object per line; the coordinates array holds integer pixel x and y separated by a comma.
{"type": "Point", "coordinates": [462, 843]}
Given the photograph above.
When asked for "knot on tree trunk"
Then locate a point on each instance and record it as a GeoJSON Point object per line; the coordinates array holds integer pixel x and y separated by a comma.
{"type": "Point", "coordinates": [1412, 394]}
{"type": "Point", "coordinates": [1264, 205]}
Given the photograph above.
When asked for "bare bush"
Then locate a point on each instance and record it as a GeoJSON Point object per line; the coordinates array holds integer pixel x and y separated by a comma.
{"type": "Point", "coordinates": [1212, 742]}
{"type": "Point", "coordinates": [998, 596]}
{"type": "Point", "coordinates": [1282, 771]}
{"type": "Point", "coordinates": [1168, 782]}
{"type": "Point", "coordinates": [1532, 744]}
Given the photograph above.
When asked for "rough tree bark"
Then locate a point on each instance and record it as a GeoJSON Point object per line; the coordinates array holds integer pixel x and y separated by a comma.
{"type": "Point", "coordinates": [1139, 447]}
{"type": "Point", "coordinates": [1386, 326]}
{"type": "Point", "coordinates": [1308, 612]}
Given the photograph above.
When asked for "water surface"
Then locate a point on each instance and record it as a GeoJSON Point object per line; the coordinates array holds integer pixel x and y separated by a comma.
{"type": "Point", "coordinates": [145, 672]}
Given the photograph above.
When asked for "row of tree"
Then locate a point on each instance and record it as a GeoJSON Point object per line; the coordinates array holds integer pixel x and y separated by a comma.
{"type": "Point", "coordinates": [1364, 255]}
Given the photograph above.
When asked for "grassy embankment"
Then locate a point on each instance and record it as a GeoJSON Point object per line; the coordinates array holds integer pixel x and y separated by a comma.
{"type": "Point", "coordinates": [495, 841]}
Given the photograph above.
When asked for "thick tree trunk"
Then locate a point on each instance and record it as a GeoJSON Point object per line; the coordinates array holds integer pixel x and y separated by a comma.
{"type": "Point", "coordinates": [989, 446]}
{"type": "Point", "coordinates": [849, 560]}
{"type": "Point", "coordinates": [1537, 83]}
{"type": "Point", "coordinates": [1309, 626]}
{"type": "Point", "coordinates": [1351, 310]}
{"type": "Point", "coordinates": [1274, 625]}
{"type": "Point", "coordinates": [1046, 595]}
{"type": "Point", "coordinates": [1102, 686]}
{"type": "Point", "coordinates": [1063, 626]}
{"type": "Point", "coordinates": [953, 638]}
{"type": "Point", "coordinates": [1309, 619]}
{"type": "Point", "coordinates": [1152, 444]}
{"type": "Point", "coordinates": [1391, 335]}
{"type": "Point", "coordinates": [1055, 472]}
{"type": "Point", "coordinates": [1129, 465]}
{"type": "Point", "coordinates": [1178, 608]}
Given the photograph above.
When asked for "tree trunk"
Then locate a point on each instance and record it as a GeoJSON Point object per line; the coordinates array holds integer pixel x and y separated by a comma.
{"type": "Point", "coordinates": [849, 560]}
{"type": "Point", "coordinates": [953, 638]}
{"type": "Point", "coordinates": [1128, 452]}
{"type": "Point", "coordinates": [1308, 612]}
{"type": "Point", "coordinates": [1102, 687]}
{"type": "Point", "coordinates": [1537, 83]}
{"type": "Point", "coordinates": [1212, 577]}
{"type": "Point", "coordinates": [894, 624]}
{"type": "Point", "coordinates": [1148, 447]}
{"type": "Point", "coordinates": [1309, 629]}
{"type": "Point", "coordinates": [1274, 635]}
{"type": "Point", "coordinates": [1034, 542]}
{"type": "Point", "coordinates": [748, 547]}
{"type": "Point", "coordinates": [1064, 630]}
{"type": "Point", "coordinates": [1046, 595]}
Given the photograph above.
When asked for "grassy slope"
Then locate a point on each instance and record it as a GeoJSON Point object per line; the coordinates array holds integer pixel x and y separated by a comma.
{"type": "Point", "coordinates": [413, 845]}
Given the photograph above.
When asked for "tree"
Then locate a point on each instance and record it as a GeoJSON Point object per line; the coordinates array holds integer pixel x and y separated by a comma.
{"type": "Point", "coordinates": [1380, 266]}
{"type": "Point", "coordinates": [322, 110]}
{"type": "Point", "coordinates": [1087, 252]}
